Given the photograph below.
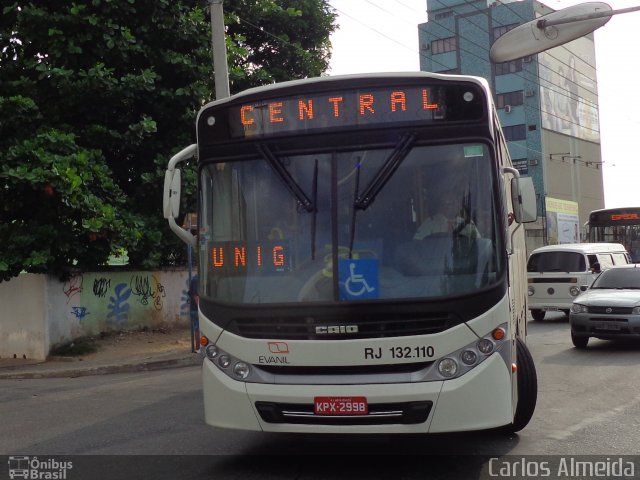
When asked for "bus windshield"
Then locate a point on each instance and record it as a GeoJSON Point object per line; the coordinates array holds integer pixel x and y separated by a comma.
{"type": "Point", "coordinates": [349, 225]}
{"type": "Point", "coordinates": [616, 225]}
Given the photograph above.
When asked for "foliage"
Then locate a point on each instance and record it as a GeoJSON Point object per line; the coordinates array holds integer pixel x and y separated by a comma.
{"type": "Point", "coordinates": [96, 97]}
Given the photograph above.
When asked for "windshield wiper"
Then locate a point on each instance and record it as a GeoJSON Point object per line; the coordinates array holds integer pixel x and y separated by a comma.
{"type": "Point", "coordinates": [352, 232]}
{"type": "Point", "coordinates": [315, 210]}
{"type": "Point", "coordinates": [277, 166]}
{"type": "Point", "coordinates": [387, 170]}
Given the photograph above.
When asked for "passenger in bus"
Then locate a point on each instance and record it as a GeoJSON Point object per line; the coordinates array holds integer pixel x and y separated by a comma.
{"type": "Point", "coordinates": [449, 215]}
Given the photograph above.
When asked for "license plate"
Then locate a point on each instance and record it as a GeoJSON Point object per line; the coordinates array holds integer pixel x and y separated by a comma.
{"type": "Point", "coordinates": [340, 406]}
{"type": "Point", "coordinates": [608, 326]}
{"type": "Point", "coordinates": [550, 309]}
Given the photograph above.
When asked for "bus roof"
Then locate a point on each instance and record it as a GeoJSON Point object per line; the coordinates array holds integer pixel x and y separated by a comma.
{"type": "Point", "coordinates": [582, 248]}
{"type": "Point", "coordinates": [616, 209]}
{"type": "Point", "coordinates": [337, 78]}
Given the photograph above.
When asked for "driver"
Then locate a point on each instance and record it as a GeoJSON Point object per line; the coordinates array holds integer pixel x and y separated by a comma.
{"type": "Point", "coordinates": [449, 215]}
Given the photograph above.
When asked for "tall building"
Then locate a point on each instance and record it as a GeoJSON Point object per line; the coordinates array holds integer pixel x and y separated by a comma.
{"type": "Point", "coordinates": [547, 103]}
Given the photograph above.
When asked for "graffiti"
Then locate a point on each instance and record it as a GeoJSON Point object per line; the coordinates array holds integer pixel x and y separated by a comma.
{"type": "Point", "coordinates": [185, 308]}
{"type": "Point", "coordinates": [72, 287]}
{"type": "Point", "coordinates": [148, 288]}
{"type": "Point", "coordinates": [101, 286]}
{"type": "Point", "coordinates": [160, 295]}
{"type": "Point", "coordinates": [118, 306]}
{"type": "Point", "coordinates": [79, 312]}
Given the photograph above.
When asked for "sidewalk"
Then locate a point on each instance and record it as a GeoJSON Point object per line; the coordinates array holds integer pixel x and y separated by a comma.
{"type": "Point", "coordinates": [115, 353]}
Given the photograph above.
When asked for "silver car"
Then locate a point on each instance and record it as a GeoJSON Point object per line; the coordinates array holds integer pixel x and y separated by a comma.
{"type": "Point", "coordinates": [610, 308]}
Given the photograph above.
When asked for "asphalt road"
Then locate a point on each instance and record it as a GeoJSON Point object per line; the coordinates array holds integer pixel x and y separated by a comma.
{"type": "Point", "coordinates": [588, 404]}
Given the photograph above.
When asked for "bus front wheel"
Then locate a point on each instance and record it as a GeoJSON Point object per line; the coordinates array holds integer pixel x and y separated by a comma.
{"type": "Point", "coordinates": [538, 315]}
{"type": "Point", "coordinates": [527, 389]}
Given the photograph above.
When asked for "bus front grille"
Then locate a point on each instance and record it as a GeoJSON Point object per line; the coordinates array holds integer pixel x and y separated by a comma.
{"type": "Point", "coordinates": [312, 327]}
{"type": "Point", "coordinates": [406, 413]}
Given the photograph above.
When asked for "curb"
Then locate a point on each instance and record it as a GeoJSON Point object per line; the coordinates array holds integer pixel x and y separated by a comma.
{"type": "Point", "coordinates": [189, 361]}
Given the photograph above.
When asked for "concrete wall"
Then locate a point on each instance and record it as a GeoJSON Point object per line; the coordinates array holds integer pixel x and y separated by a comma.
{"type": "Point", "coordinates": [39, 312]}
{"type": "Point", "coordinates": [23, 313]}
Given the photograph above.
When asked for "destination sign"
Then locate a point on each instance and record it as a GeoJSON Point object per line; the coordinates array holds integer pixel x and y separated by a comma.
{"type": "Point", "coordinates": [350, 108]}
{"type": "Point", "coordinates": [238, 257]}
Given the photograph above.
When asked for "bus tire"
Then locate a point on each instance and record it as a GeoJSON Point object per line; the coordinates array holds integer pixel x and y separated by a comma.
{"type": "Point", "coordinates": [537, 315]}
{"type": "Point", "coordinates": [527, 389]}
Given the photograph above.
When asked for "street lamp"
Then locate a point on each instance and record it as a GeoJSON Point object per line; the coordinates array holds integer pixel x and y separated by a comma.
{"type": "Point", "coordinates": [542, 34]}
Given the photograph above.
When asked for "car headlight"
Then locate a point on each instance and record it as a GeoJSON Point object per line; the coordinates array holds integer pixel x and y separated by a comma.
{"type": "Point", "coordinates": [531, 290]}
{"type": "Point", "coordinates": [578, 308]}
{"type": "Point", "coordinates": [574, 291]}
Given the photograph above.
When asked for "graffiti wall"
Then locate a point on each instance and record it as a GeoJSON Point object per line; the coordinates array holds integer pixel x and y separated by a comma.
{"type": "Point", "coordinates": [93, 302]}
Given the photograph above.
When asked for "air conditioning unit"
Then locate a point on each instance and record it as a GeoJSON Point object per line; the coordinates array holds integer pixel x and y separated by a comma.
{"type": "Point", "coordinates": [529, 93]}
{"type": "Point", "coordinates": [507, 109]}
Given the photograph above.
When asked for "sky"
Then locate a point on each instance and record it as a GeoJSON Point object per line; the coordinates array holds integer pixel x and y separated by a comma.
{"type": "Point", "coordinates": [382, 36]}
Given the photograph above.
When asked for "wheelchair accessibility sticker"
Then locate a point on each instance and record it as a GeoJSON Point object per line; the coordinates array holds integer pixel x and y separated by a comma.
{"type": "Point", "coordinates": [358, 279]}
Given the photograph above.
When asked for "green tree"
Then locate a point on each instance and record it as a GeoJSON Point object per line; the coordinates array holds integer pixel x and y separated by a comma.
{"type": "Point", "coordinates": [96, 96]}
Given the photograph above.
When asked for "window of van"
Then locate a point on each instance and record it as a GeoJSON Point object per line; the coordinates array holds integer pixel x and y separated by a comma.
{"type": "Point", "coordinates": [605, 260]}
{"type": "Point", "coordinates": [556, 262]}
{"type": "Point", "coordinates": [620, 258]}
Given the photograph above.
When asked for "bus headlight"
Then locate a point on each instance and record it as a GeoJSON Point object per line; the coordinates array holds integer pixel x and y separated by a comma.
{"type": "Point", "coordinates": [457, 363]}
{"type": "Point", "coordinates": [574, 291]}
{"type": "Point", "coordinates": [469, 357]}
{"type": "Point", "coordinates": [485, 346]}
{"type": "Point", "coordinates": [230, 365]}
{"type": "Point", "coordinates": [448, 367]}
{"type": "Point", "coordinates": [241, 370]}
{"type": "Point", "coordinates": [211, 351]}
{"type": "Point", "coordinates": [224, 361]}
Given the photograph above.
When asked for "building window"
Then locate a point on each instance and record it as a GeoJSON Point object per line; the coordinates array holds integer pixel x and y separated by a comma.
{"type": "Point", "coordinates": [509, 67]}
{"type": "Point", "coordinates": [511, 98]}
{"type": "Point", "coordinates": [502, 29]}
{"type": "Point", "coordinates": [440, 16]}
{"type": "Point", "coordinates": [444, 45]}
{"type": "Point", "coordinates": [515, 132]}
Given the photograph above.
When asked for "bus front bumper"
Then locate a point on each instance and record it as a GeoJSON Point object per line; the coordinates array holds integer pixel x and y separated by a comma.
{"type": "Point", "coordinates": [480, 399]}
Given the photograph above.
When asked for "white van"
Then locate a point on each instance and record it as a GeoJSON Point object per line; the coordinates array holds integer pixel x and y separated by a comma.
{"type": "Point", "coordinates": [556, 273]}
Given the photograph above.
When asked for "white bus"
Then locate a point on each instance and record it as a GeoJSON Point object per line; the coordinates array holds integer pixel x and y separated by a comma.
{"type": "Point", "coordinates": [322, 309]}
{"type": "Point", "coordinates": [618, 225]}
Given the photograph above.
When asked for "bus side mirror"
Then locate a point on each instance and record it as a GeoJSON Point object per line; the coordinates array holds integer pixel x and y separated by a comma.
{"type": "Point", "coordinates": [171, 196]}
{"type": "Point", "coordinates": [523, 198]}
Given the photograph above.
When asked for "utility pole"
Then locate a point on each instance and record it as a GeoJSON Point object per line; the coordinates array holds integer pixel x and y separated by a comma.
{"type": "Point", "coordinates": [219, 47]}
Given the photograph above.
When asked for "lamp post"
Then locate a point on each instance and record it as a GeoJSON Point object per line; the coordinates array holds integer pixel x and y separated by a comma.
{"type": "Point", "coordinates": [219, 47]}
